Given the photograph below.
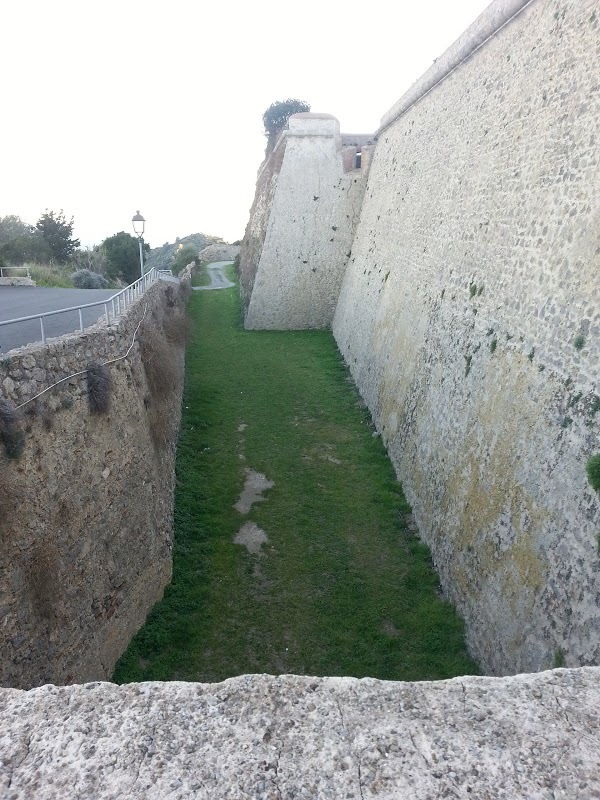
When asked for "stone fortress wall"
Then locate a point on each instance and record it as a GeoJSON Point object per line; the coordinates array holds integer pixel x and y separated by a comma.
{"type": "Point", "coordinates": [469, 315]}
{"type": "Point", "coordinates": [470, 279]}
{"type": "Point", "coordinates": [86, 509]}
{"type": "Point", "coordinates": [302, 224]}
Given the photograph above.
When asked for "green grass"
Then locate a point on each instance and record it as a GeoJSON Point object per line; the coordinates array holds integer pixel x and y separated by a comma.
{"type": "Point", "coordinates": [58, 275]}
{"type": "Point", "coordinates": [201, 278]}
{"type": "Point", "coordinates": [593, 471]}
{"type": "Point", "coordinates": [342, 587]}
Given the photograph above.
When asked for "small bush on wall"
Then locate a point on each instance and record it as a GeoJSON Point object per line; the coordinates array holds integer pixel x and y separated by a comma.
{"type": "Point", "coordinates": [11, 434]}
{"type": "Point", "coordinates": [99, 385]}
{"type": "Point", "coordinates": [159, 362]}
{"type": "Point", "coordinates": [593, 470]}
{"type": "Point", "coordinates": [177, 328]}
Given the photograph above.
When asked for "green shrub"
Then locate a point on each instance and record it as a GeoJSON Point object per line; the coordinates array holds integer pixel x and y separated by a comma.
{"type": "Point", "coordinates": [51, 274]}
{"type": "Point", "coordinates": [579, 341]}
{"type": "Point", "coordinates": [559, 659]}
{"type": "Point", "coordinates": [84, 279]}
{"type": "Point", "coordinates": [593, 471]}
{"type": "Point", "coordinates": [184, 256]}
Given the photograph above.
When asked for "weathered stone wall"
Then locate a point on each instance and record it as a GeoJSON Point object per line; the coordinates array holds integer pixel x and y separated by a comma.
{"type": "Point", "coordinates": [470, 318]}
{"type": "Point", "coordinates": [219, 252]}
{"type": "Point", "coordinates": [16, 281]}
{"type": "Point", "coordinates": [529, 737]}
{"type": "Point", "coordinates": [256, 229]}
{"type": "Point", "coordinates": [308, 216]}
{"type": "Point", "coordinates": [86, 510]}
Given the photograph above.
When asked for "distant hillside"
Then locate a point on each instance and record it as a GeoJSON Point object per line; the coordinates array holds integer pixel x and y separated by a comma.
{"type": "Point", "coordinates": [162, 257]}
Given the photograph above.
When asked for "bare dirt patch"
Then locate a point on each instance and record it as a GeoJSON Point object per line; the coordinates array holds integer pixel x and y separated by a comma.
{"type": "Point", "coordinates": [256, 483]}
{"type": "Point", "coordinates": [252, 537]}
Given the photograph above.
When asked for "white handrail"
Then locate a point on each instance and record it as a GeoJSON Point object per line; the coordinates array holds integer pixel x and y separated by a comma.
{"type": "Point", "coordinates": [117, 302]}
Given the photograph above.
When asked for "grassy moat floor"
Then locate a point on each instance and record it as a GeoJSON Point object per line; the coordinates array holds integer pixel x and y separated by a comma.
{"type": "Point", "coordinates": [340, 586]}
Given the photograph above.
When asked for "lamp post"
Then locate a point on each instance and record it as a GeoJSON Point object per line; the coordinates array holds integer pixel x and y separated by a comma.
{"type": "Point", "coordinates": [138, 226]}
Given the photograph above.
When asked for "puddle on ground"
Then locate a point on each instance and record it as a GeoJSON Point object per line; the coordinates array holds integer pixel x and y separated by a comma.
{"type": "Point", "coordinates": [390, 629]}
{"type": "Point", "coordinates": [256, 484]}
{"type": "Point", "coordinates": [252, 537]}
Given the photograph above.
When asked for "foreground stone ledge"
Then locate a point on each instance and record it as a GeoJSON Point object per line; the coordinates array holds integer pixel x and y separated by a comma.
{"type": "Point", "coordinates": [257, 736]}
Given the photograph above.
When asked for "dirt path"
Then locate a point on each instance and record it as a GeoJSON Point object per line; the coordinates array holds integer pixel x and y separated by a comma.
{"type": "Point", "coordinates": [218, 279]}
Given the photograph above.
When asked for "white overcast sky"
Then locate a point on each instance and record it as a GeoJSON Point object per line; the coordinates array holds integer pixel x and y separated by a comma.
{"type": "Point", "coordinates": [119, 105]}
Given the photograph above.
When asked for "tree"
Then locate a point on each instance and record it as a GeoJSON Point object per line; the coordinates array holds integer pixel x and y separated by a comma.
{"type": "Point", "coordinates": [20, 242]}
{"type": "Point", "coordinates": [123, 256]}
{"type": "Point", "coordinates": [12, 227]}
{"type": "Point", "coordinates": [57, 233]}
{"type": "Point", "coordinates": [276, 116]}
{"type": "Point", "coordinates": [93, 259]}
{"type": "Point", "coordinates": [184, 256]}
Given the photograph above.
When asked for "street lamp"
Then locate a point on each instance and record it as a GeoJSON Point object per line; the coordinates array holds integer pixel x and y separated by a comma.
{"type": "Point", "coordinates": [138, 226]}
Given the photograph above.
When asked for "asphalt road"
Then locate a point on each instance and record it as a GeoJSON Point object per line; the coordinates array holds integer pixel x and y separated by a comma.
{"type": "Point", "coordinates": [22, 301]}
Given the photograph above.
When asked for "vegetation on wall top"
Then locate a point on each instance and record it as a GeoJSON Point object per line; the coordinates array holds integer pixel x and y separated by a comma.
{"type": "Point", "coordinates": [277, 114]}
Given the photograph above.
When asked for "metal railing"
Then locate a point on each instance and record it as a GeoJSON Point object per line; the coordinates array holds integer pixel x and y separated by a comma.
{"type": "Point", "coordinates": [118, 303]}
{"type": "Point", "coordinates": [3, 270]}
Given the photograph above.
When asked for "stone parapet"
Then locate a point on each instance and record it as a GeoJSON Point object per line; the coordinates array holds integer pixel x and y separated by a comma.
{"type": "Point", "coordinates": [530, 737]}
{"type": "Point", "coordinates": [17, 282]}
{"type": "Point", "coordinates": [498, 14]}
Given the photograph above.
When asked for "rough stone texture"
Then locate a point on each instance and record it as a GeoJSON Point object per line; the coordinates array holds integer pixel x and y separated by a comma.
{"type": "Point", "coordinates": [307, 212]}
{"type": "Point", "coordinates": [17, 282]}
{"type": "Point", "coordinates": [495, 16]}
{"type": "Point", "coordinates": [257, 736]}
{"type": "Point", "coordinates": [473, 271]}
{"type": "Point", "coordinates": [86, 511]}
{"type": "Point", "coordinates": [256, 229]}
{"type": "Point", "coordinates": [219, 252]}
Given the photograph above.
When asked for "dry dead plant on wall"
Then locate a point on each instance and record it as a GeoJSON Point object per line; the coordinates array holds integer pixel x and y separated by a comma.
{"type": "Point", "coordinates": [11, 496]}
{"type": "Point", "coordinates": [162, 425]}
{"type": "Point", "coordinates": [42, 571]}
{"type": "Point", "coordinates": [160, 360]}
{"type": "Point", "coordinates": [178, 329]}
{"type": "Point", "coordinates": [11, 434]}
{"type": "Point", "coordinates": [185, 290]}
{"type": "Point", "coordinates": [169, 296]}
{"type": "Point", "coordinates": [99, 385]}
{"type": "Point", "coordinates": [162, 364]}
{"type": "Point", "coordinates": [64, 512]}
